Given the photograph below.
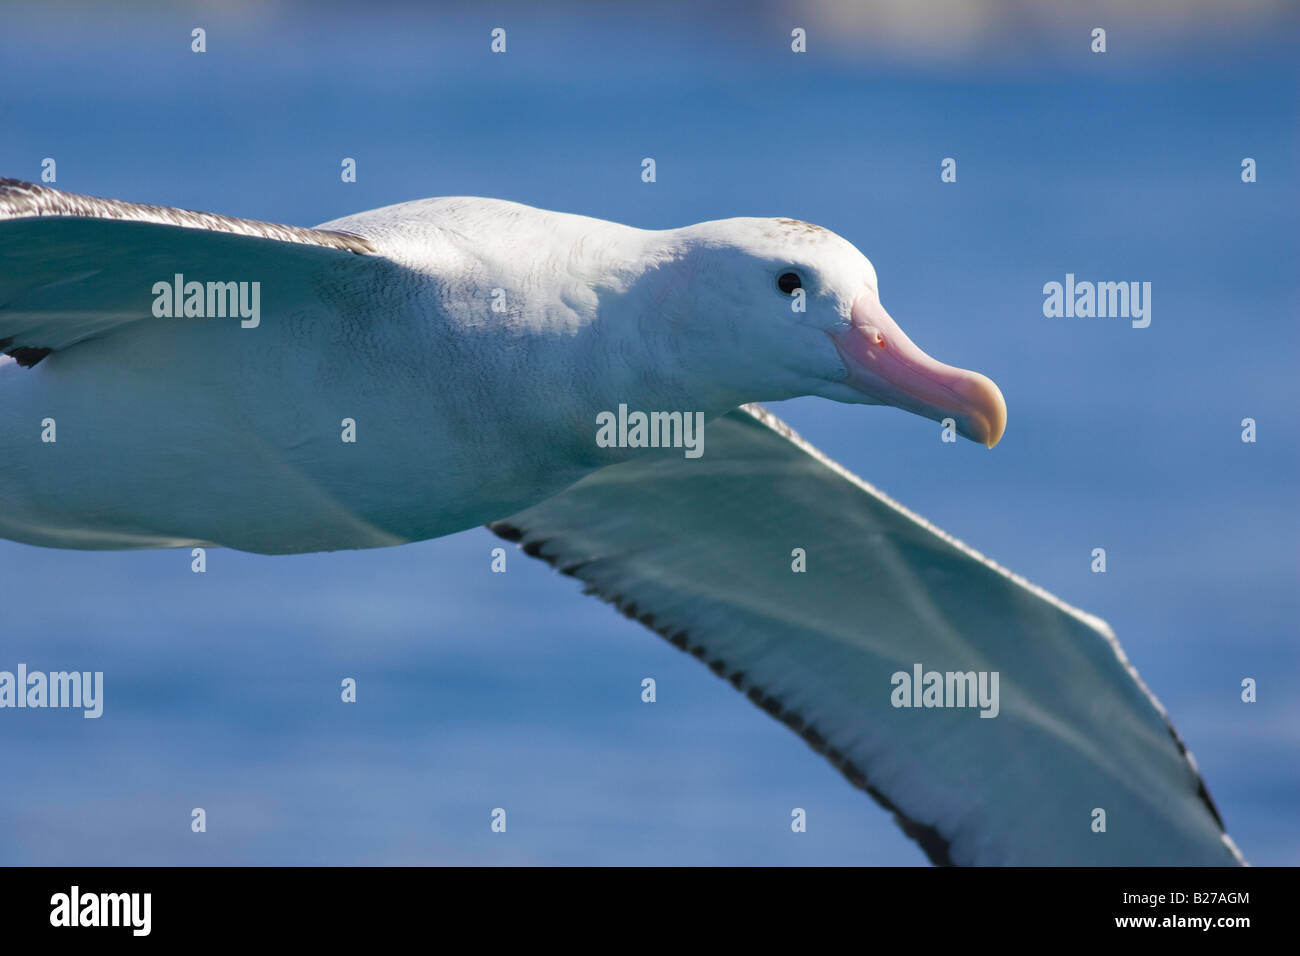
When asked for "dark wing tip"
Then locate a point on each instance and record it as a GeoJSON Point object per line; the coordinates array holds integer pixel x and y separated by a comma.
{"type": "Point", "coordinates": [26, 356]}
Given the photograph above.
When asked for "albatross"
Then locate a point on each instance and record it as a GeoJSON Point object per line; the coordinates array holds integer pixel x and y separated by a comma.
{"type": "Point", "coordinates": [185, 379]}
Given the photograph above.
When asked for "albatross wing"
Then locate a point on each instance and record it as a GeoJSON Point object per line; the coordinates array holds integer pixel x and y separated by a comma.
{"type": "Point", "coordinates": [189, 430]}
{"type": "Point", "coordinates": [700, 552]}
{"type": "Point", "coordinates": [76, 267]}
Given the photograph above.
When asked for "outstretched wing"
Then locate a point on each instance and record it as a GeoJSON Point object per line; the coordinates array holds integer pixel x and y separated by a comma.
{"type": "Point", "coordinates": [700, 551]}
{"type": "Point", "coordinates": [76, 267]}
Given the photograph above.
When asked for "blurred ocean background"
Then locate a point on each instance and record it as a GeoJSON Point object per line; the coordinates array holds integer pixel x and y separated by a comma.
{"type": "Point", "coordinates": [481, 690]}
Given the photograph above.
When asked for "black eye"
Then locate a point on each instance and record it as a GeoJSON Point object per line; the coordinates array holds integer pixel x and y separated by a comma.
{"type": "Point", "coordinates": [787, 282]}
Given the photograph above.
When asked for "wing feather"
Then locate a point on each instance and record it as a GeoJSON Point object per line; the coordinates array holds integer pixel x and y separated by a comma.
{"type": "Point", "coordinates": [76, 267]}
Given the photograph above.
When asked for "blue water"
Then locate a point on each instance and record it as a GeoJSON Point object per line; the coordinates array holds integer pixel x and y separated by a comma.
{"type": "Point", "coordinates": [480, 690]}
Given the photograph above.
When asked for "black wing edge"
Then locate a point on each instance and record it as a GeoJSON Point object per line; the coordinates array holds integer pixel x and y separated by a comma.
{"type": "Point", "coordinates": [932, 842]}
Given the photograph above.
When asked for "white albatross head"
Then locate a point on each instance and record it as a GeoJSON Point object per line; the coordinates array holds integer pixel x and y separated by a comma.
{"type": "Point", "coordinates": [803, 304]}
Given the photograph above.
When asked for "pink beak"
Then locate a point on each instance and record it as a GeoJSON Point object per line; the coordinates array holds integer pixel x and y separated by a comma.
{"type": "Point", "coordinates": [886, 367]}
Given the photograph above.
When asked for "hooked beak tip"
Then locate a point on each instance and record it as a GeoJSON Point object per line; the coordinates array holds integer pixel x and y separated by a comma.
{"type": "Point", "coordinates": [986, 408]}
